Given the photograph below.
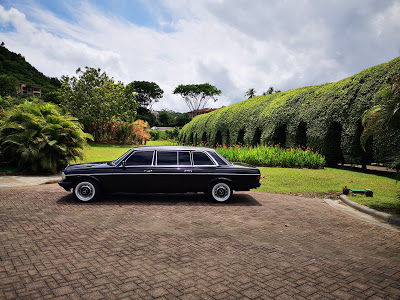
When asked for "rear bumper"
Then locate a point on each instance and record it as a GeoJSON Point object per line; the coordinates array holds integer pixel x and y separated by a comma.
{"type": "Point", "coordinates": [65, 185]}
{"type": "Point", "coordinates": [247, 188]}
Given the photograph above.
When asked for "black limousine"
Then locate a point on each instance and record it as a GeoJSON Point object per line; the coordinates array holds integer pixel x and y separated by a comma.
{"type": "Point", "coordinates": [164, 169]}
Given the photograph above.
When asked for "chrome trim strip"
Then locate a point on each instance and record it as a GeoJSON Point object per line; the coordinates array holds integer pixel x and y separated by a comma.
{"type": "Point", "coordinates": [154, 173]}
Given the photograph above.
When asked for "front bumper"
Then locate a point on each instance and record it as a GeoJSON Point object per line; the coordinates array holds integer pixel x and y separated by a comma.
{"type": "Point", "coordinates": [66, 185]}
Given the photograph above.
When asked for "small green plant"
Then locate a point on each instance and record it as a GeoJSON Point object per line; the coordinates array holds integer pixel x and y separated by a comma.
{"type": "Point", "coordinates": [35, 136]}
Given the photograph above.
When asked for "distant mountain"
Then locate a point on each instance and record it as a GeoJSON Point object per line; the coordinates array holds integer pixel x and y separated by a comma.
{"type": "Point", "coordinates": [15, 65]}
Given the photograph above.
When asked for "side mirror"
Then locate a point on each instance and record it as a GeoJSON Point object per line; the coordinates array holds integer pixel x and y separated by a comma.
{"type": "Point", "coordinates": [123, 163]}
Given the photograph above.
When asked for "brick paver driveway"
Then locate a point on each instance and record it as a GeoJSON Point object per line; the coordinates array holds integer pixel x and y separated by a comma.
{"type": "Point", "coordinates": [185, 246]}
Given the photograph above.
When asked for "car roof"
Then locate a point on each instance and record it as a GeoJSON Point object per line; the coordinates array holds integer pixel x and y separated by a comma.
{"type": "Point", "coordinates": [171, 148]}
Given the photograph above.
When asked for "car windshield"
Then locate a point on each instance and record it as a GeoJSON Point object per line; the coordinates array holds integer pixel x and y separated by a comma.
{"type": "Point", "coordinates": [117, 161]}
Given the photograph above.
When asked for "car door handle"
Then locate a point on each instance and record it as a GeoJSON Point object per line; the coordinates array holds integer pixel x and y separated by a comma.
{"type": "Point", "coordinates": [188, 171]}
{"type": "Point", "coordinates": [148, 171]}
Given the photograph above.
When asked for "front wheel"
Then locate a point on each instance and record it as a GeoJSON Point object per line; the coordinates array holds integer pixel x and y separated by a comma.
{"type": "Point", "coordinates": [221, 191]}
{"type": "Point", "coordinates": [87, 190]}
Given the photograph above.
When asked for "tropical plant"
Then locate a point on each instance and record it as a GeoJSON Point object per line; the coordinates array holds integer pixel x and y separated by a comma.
{"type": "Point", "coordinates": [384, 114]}
{"type": "Point", "coordinates": [35, 136]}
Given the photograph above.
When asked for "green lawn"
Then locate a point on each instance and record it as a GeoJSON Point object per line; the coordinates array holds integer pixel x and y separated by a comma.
{"type": "Point", "coordinates": [327, 182]}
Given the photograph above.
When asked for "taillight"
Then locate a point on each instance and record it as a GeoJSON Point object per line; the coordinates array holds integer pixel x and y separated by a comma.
{"type": "Point", "coordinates": [259, 177]}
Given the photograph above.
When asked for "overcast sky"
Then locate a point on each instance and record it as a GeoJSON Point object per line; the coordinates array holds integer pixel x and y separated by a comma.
{"type": "Point", "coordinates": [233, 44]}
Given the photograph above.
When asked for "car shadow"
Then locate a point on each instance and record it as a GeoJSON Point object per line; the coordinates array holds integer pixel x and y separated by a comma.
{"type": "Point", "coordinates": [187, 199]}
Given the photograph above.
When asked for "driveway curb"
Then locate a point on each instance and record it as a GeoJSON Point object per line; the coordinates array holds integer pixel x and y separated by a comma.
{"type": "Point", "coordinates": [372, 212]}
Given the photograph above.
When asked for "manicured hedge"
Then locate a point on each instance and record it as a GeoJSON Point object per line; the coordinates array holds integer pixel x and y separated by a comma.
{"type": "Point", "coordinates": [326, 117]}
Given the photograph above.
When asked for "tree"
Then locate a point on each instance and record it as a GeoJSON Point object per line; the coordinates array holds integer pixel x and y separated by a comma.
{"type": "Point", "coordinates": [251, 93]}
{"type": "Point", "coordinates": [196, 96]}
{"type": "Point", "coordinates": [95, 99]}
{"type": "Point", "coordinates": [166, 118]}
{"type": "Point", "coordinates": [182, 119]}
{"type": "Point", "coordinates": [269, 91]}
{"type": "Point", "coordinates": [147, 93]}
{"type": "Point", "coordinates": [385, 113]}
{"type": "Point", "coordinates": [8, 85]}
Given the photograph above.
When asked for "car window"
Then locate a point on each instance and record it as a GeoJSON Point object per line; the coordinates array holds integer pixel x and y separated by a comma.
{"type": "Point", "coordinates": [184, 158]}
{"type": "Point", "coordinates": [140, 158]}
{"type": "Point", "coordinates": [201, 159]}
{"type": "Point", "coordinates": [167, 158]}
{"type": "Point", "coordinates": [218, 158]}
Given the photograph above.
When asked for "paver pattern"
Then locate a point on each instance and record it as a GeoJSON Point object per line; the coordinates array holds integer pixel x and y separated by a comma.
{"type": "Point", "coordinates": [187, 247]}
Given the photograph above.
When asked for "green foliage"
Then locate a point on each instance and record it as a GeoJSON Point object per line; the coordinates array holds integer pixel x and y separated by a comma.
{"type": "Point", "coordinates": [317, 108]}
{"type": "Point", "coordinates": [96, 99]}
{"type": "Point", "coordinates": [154, 135]}
{"type": "Point", "coordinates": [170, 118]}
{"type": "Point", "coordinates": [14, 65]}
{"type": "Point", "coordinates": [182, 119]}
{"type": "Point", "coordinates": [196, 96]}
{"type": "Point", "coordinates": [165, 118]}
{"type": "Point", "coordinates": [35, 136]}
{"type": "Point", "coordinates": [172, 134]}
{"type": "Point", "coordinates": [8, 85]}
{"type": "Point", "coordinates": [147, 93]}
{"type": "Point", "coordinates": [273, 156]}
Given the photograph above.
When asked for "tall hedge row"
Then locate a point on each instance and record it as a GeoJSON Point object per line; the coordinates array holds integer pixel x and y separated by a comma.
{"type": "Point", "coordinates": [325, 117]}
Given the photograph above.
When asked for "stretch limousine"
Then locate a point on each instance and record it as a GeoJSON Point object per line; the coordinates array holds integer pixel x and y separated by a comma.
{"type": "Point", "coordinates": [165, 169]}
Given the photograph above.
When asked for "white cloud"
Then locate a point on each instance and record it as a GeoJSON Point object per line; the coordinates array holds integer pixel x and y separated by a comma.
{"type": "Point", "coordinates": [234, 45]}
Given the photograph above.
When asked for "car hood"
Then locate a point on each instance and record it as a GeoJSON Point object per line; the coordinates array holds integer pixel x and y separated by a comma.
{"type": "Point", "coordinates": [90, 166]}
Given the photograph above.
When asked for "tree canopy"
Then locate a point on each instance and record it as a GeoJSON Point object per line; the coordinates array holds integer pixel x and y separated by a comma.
{"type": "Point", "coordinates": [196, 96]}
{"type": "Point", "coordinates": [95, 99]}
{"type": "Point", "coordinates": [147, 93]}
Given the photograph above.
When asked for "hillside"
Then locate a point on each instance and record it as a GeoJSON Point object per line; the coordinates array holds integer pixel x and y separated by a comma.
{"type": "Point", "coordinates": [15, 65]}
{"type": "Point", "coordinates": [326, 117]}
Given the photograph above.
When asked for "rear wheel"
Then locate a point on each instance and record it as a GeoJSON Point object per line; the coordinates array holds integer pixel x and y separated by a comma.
{"type": "Point", "coordinates": [86, 190]}
{"type": "Point", "coordinates": [221, 191]}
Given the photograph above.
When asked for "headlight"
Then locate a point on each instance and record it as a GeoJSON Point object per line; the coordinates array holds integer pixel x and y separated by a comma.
{"type": "Point", "coordinates": [63, 176]}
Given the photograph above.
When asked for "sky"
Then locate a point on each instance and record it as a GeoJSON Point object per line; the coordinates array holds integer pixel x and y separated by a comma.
{"type": "Point", "coordinates": [232, 44]}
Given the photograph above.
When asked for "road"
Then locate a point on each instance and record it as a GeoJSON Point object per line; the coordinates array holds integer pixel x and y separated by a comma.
{"type": "Point", "coordinates": [258, 245]}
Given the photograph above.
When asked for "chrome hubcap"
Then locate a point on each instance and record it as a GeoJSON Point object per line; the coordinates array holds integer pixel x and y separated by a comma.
{"type": "Point", "coordinates": [85, 191]}
{"type": "Point", "coordinates": [221, 192]}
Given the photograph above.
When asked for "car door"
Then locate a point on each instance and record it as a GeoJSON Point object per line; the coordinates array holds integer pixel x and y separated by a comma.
{"type": "Point", "coordinates": [173, 171]}
{"type": "Point", "coordinates": [203, 170]}
{"type": "Point", "coordinates": [135, 173]}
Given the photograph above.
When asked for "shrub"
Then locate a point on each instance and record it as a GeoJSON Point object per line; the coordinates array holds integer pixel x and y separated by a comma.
{"type": "Point", "coordinates": [155, 135]}
{"type": "Point", "coordinates": [36, 137]}
{"type": "Point", "coordinates": [305, 115]}
{"type": "Point", "coordinates": [172, 134]}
